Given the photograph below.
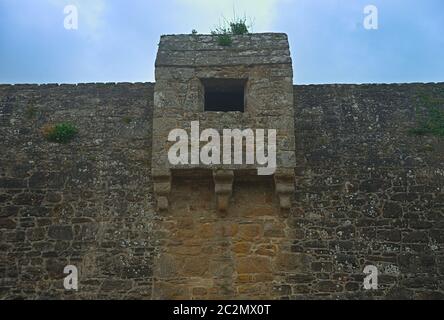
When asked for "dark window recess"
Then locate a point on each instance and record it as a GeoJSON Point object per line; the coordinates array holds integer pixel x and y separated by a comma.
{"type": "Point", "coordinates": [224, 95]}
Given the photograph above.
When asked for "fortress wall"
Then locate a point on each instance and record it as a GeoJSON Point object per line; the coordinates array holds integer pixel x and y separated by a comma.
{"type": "Point", "coordinates": [367, 192]}
{"type": "Point", "coordinates": [88, 203]}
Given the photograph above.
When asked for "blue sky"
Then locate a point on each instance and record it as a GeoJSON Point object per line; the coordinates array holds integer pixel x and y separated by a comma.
{"type": "Point", "coordinates": [117, 39]}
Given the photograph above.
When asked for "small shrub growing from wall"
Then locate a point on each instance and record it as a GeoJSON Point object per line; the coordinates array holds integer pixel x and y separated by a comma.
{"type": "Point", "coordinates": [239, 26]}
{"type": "Point", "coordinates": [431, 122]}
{"type": "Point", "coordinates": [224, 40]}
{"type": "Point", "coordinates": [59, 133]}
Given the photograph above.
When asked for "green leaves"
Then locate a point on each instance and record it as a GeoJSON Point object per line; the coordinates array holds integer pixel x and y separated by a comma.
{"type": "Point", "coordinates": [431, 122]}
{"type": "Point", "coordinates": [238, 26]}
{"type": "Point", "coordinates": [60, 133]}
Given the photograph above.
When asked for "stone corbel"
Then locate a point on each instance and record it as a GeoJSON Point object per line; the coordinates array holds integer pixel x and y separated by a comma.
{"type": "Point", "coordinates": [223, 186]}
{"type": "Point", "coordinates": [162, 187]}
{"type": "Point", "coordinates": [284, 180]}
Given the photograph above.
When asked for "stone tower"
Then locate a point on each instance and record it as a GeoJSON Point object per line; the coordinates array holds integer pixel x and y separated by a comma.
{"type": "Point", "coordinates": [248, 85]}
{"type": "Point", "coordinates": [221, 225]}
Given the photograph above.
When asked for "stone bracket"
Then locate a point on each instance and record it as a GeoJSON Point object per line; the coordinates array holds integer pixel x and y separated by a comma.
{"type": "Point", "coordinates": [284, 180]}
{"type": "Point", "coordinates": [223, 187]}
{"type": "Point", "coordinates": [162, 187]}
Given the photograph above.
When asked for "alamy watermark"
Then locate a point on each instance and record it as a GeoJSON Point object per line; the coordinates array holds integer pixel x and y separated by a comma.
{"type": "Point", "coordinates": [71, 281]}
{"type": "Point", "coordinates": [371, 20]}
{"type": "Point", "coordinates": [371, 280]}
{"type": "Point", "coordinates": [213, 154]}
{"type": "Point", "coordinates": [71, 21]}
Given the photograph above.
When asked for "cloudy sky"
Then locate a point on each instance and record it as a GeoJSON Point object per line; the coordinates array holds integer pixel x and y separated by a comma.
{"type": "Point", "coordinates": [116, 40]}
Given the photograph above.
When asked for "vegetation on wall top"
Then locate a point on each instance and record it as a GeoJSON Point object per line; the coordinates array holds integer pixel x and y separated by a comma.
{"type": "Point", "coordinates": [236, 26]}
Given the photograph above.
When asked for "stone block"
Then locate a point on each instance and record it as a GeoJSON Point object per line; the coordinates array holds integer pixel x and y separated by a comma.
{"type": "Point", "coordinates": [60, 232]}
{"type": "Point", "coordinates": [253, 264]}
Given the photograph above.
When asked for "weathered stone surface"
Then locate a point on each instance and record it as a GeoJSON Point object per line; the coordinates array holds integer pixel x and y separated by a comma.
{"type": "Point", "coordinates": [74, 203]}
{"type": "Point", "coordinates": [293, 262]}
{"type": "Point", "coordinates": [249, 231]}
{"type": "Point", "coordinates": [367, 192]}
{"type": "Point", "coordinates": [392, 210]}
{"type": "Point", "coordinates": [254, 264]}
{"type": "Point", "coordinates": [60, 232]}
{"type": "Point", "coordinates": [328, 286]}
{"type": "Point", "coordinates": [7, 224]}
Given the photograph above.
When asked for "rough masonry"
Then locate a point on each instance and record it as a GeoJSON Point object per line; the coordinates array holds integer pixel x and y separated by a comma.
{"type": "Point", "coordinates": [189, 67]}
{"type": "Point", "coordinates": [366, 191]}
